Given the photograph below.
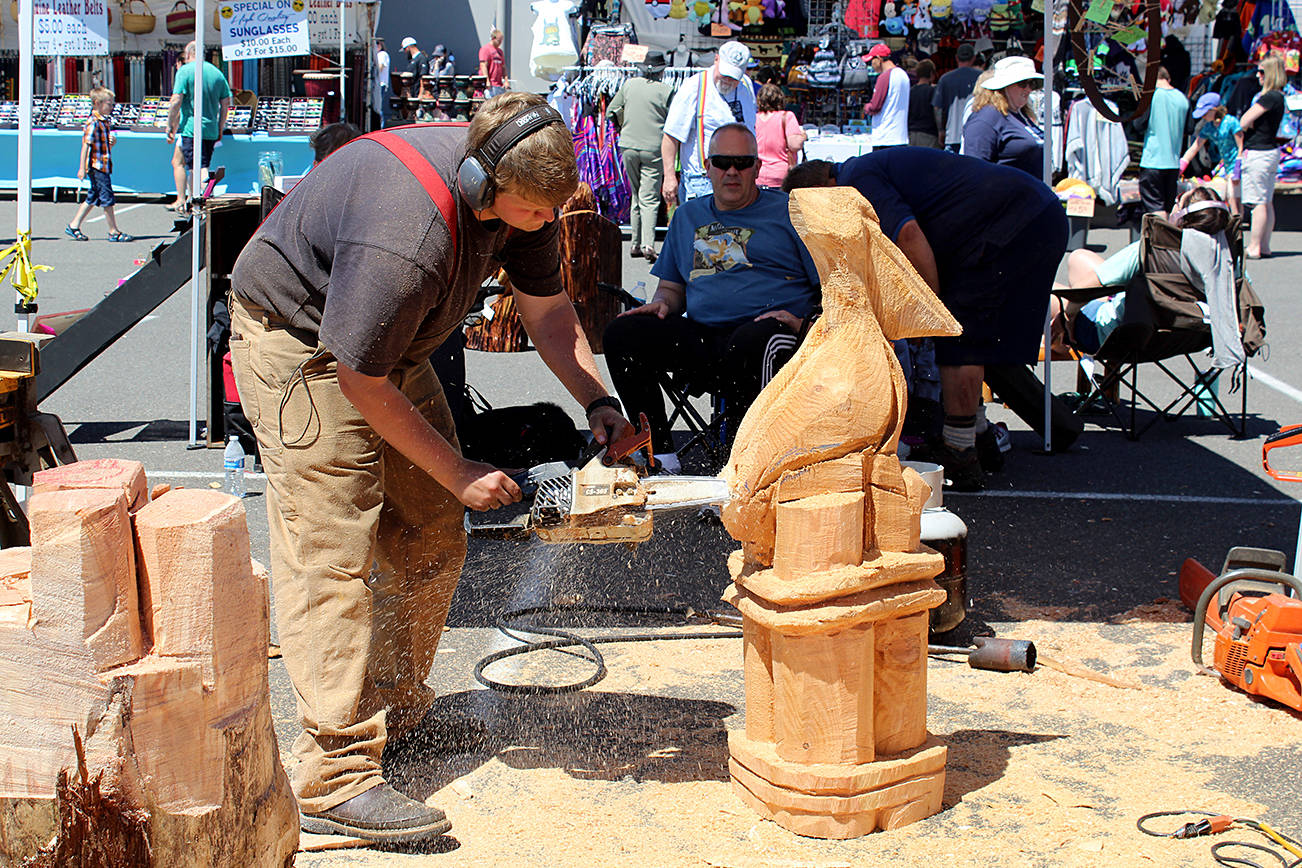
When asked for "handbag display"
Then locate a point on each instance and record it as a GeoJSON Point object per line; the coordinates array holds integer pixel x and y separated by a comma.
{"type": "Point", "coordinates": [855, 72]}
{"type": "Point", "coordinates": [180, 20]}
{"type": "Point", "coordinates": [825, 69]}
{"type": "Point", "coordinates": [135, 22]}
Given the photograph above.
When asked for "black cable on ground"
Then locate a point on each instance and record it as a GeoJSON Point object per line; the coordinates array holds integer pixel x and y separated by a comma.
{"type": "Point", "coordinates": [508, 625]}
{"type": "Point", "coordinates": [1217, 823]}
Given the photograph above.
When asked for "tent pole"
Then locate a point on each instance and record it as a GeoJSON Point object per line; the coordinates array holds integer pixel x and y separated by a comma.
{"type": "Point", "coordinates": [196, 218]}
{"type": "Point", "coordinates": [26, 85]}
{"type": "Point", "coordinates": [343, 35]}
{"type": "Point", "coordinates": [1050, 53]}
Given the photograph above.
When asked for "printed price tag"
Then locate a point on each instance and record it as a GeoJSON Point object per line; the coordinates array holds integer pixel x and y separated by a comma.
{"type": "Point", "coordinates": [1099, 11]}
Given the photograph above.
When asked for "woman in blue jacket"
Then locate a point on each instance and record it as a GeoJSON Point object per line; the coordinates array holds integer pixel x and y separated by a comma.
{"type": "Point", "coordinates": [1001, 128]}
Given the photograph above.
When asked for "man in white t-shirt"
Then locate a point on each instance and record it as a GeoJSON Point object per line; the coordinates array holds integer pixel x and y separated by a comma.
{"type": "Point", "coordinates": [889, 107]}
{"type": "Point", "coordinates": [713, 97]}
{"type": "Point", "coordinates": [380, 92]}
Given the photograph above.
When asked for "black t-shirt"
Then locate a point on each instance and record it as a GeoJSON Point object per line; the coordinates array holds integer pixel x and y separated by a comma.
{"type": "Point", "coordinates": [418, 65]}
{"type": "Point", "coordinates": [1261, 135]}
{"type": "Point", "coordinates": [921, 117]}
{"type": "Point", "coordinates": [963, 205]}
{"type": "Point", "coordinates": [358, 255]}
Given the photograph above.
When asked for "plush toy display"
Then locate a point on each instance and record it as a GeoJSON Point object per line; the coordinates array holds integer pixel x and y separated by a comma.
{"type": "Point", "coordinates": [677, 8]}
{"type": "Point", "coordinates": [700, 12]}
{"type": "Point", "coordinates": [658, 8]}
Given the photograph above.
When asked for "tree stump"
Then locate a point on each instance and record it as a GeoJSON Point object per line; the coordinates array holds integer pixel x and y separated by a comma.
{"type": "Point", "coordinates": [832, 582]}
{"type": "Point", "coordinates": [134, 711]}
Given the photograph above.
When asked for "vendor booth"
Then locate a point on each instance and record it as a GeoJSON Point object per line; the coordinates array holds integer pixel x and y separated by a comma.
{"type": "Point", "coordinates": [278, 102]}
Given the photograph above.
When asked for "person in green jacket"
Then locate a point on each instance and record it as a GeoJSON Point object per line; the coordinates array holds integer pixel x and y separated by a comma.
{"type": "Point", "coordinates": [639, 111]}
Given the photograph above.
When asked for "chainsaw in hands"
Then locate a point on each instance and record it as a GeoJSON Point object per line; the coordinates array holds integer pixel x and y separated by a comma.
{"type": "Point", "coordinates": [608, 498]}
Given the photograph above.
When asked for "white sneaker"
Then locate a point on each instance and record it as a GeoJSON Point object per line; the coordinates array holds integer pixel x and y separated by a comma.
{"type": "Point", "coordinates": [669, 463]}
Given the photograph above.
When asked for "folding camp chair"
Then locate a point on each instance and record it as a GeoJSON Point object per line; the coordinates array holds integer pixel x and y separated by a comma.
{"type": "Point", "coordinates": [709, 435]}
{"type": "Point", "coordinates": [1166, 319]}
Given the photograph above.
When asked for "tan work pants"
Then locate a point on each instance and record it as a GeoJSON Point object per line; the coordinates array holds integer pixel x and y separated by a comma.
{"type": "Point", "coordinates": [646, 174]}
{"type": "Point", "coordinates": [366, 550]}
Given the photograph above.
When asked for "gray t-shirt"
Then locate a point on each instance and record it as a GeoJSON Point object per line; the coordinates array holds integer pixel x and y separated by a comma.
{"type": "Point", "coordinates": [359, 255]}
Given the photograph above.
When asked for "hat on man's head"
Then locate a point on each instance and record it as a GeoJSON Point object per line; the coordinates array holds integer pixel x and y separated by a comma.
{"type": "Point", "coordinates": [965, 52]}
{"type": "Point", "coordinates": [439, 51]}
{"type": "Point", "coordinates": [408, 42]}
{"type": "Point", "coordinates": [881, 49]}
{"type": "Point", "coordinates": [1012, 70]}
{"type": "Point", "coordinates": [1206, 103]}
{"type": "Point", "coordinates": [733, 59]}
{"type": "Point", "coordinates": [655, 61]}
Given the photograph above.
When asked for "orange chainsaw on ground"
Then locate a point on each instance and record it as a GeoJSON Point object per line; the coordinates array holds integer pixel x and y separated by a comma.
{"type": "Point", "coordinates": [1258, 645]}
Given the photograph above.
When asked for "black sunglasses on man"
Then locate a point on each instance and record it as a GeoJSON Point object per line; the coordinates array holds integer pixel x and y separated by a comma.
{"type": "Point", "coordinates": [740, 162]}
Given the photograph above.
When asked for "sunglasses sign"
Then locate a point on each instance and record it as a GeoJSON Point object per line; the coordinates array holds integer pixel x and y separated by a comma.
{"type": "Point", "coordinates": [263, 28]}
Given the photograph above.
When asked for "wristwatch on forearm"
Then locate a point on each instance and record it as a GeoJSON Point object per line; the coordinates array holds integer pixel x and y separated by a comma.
{"type": "Point", "coordinates": [604, 401]}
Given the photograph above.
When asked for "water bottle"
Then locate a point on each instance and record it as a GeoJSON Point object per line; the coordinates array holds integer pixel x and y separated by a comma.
{"type": "Point", "coordinates": [1205, 392]}
{"type": "Point", "coordinates": [233, 462]}
{"type": "Point", "coordinates": [640, 290]}
{"type": "Point", "coordinates": [947, 534]}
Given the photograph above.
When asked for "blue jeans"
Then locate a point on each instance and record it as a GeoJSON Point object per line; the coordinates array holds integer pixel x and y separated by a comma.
{"type": "Point", "coordinates": [693, 186]}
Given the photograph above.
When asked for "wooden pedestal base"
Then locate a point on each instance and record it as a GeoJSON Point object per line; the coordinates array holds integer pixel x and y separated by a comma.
{"type": "Point", "coordinates": [835, 800]}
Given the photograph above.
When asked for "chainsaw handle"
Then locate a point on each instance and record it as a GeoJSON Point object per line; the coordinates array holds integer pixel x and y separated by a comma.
{"type": "Point", "coordinates": [1282, 579]}
{"type": "Point", "coordinates": [1289, 435]}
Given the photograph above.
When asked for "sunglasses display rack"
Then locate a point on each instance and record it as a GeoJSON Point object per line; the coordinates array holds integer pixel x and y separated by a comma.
{"type": "Point", "coordinates": [152, 116]}
{"type": "Point", "coordinates": [287, 116]}
{"type": "Point", "coordinates": [74, 111]}
{"type": "Point", "coordinates": [125, 115]}
{"type": "Point", "coordinates": [45, 110]}
{"type": "Point", "coordinates": [272, 115]}
{"type": "Point", "coordinates": [305, 114]}
{"type": "Point", "coordinates": [240, 119]}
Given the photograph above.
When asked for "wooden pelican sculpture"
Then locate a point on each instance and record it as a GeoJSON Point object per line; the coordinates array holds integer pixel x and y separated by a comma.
{"type": "Point", "coordinates": [844, 391]}
{"type": "Point", "coordinates": [832, 583]}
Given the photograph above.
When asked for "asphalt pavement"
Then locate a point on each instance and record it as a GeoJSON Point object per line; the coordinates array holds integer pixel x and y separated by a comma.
{"type": "Point", "coordinates": [1080, 536]}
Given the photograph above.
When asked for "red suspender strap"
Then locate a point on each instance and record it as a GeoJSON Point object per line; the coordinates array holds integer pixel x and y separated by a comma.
{"type": "Point", "coordinates": [425, 173]}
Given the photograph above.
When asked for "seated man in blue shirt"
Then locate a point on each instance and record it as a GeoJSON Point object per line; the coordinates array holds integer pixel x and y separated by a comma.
{"type": "Point", "coordinates": [736, 285]}
{"type": "Point", "coordinates": [987, 239]}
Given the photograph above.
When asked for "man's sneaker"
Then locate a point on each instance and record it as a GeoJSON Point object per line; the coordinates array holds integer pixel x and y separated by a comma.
{"type": "Point", "coordinates": [988, 451]}
{"type": "Point", "coordinates": [379, 814]}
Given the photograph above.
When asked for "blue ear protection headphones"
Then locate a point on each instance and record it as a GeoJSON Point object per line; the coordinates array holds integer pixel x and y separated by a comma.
{"type": "Point", "coordinates": [475, 177]}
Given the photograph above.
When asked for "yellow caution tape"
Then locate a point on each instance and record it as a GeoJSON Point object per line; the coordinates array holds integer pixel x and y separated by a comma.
{"type": "Point", "coordinates": [16, 258]}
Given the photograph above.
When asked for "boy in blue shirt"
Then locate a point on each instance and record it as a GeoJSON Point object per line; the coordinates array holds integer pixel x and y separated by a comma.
{"type": "Point", "coordinates": [736, 285]}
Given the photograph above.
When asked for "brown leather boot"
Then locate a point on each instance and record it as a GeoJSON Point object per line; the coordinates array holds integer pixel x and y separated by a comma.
{"type": "Point", "coordinates": [379, 814]}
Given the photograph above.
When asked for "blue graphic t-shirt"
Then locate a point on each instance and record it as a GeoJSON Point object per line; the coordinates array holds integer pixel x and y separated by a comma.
{"type": "Point", "coordinates": [738, 264]}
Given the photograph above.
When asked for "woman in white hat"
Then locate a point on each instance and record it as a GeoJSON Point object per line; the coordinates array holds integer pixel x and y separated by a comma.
{"type": "Point", "coordinates": [1001, 128]}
